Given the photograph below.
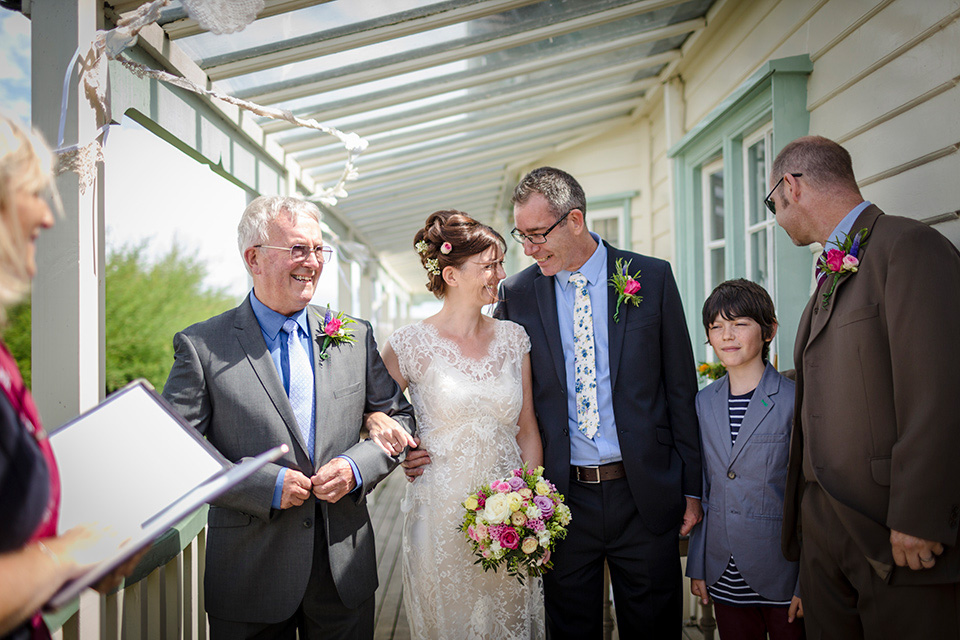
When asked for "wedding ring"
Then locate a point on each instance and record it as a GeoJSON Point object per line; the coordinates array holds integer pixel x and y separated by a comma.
{"type": "Point", "coordinates": [930, 559]}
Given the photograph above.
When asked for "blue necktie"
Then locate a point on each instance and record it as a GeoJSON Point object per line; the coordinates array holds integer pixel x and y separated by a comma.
{"type": "Point", "coordinates": [301, 384]}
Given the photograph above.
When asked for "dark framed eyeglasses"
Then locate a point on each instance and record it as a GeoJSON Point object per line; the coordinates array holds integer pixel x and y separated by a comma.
{"type": "Point", "coordinates": [771, 205]}
{"type": "Point", "coordinates": [538, 238]}
{"type": "Point", "coordinates": [299, 252]}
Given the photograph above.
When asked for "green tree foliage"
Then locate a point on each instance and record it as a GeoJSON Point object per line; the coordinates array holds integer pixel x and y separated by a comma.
{"type": "Point", "coordinates": [146, 304]}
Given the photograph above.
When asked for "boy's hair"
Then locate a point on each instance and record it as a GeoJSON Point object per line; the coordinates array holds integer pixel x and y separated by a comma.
{"type": "Point", "coordinates": [741, 298]}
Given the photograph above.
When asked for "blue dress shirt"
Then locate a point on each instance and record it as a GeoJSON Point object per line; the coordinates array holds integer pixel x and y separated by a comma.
{"type": "Point", "coordinates": [843, 229]}
{"type": "Point", "coordinates": [271, 324]}
{"type": "Point", "coordinates": [604, 447]}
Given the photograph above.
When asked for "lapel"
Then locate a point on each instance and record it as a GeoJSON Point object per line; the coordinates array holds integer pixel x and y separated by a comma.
{"type": "Point", "coordinates": [615, 330]}
{"type": "Point", "coordinates": [820, 317]}
{"type": "Point", "coordinates": [322, 380]}
{"type": "Point", "coordinates": [251, 340]}
{"type": "Point", "coordinates": [547, 304]}
{"type": "Point", "coordinates": [721, 416]}
{"type": "Point", "coordinates": [760, 405]}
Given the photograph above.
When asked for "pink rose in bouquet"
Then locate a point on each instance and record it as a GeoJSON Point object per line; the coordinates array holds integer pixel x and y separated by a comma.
{"type": "Point", "coordinates": [834, 260]}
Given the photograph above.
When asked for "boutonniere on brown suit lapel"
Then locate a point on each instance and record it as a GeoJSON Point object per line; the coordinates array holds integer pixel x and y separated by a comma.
{"type": "Point", "coordinates": [333, 332]}
{"type": "Point", "coordinates": [836, 263]}
{"type": "Point", "coordinates": [626, 286]}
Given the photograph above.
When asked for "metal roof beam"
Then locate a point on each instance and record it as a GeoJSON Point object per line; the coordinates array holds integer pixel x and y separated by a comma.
{"type": "Point", "coordinates": [465, 80]}
{"type": "Point", "coordinates": [420, 208]}
{"type": "Point", "coordinates": [381, 68]}
{"type": "Point", "coordinates": [180, 25]}
{"type": "Point", "coordinates": [387, 224]}
{"type": "Point", "coordinates": [358, 209]}
{"type": "Point", "coordinates": [353, 36]}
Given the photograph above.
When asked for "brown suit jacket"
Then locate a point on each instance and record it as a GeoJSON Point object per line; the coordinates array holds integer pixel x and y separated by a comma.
{"type": "Point", "coordinates": [877, 418]}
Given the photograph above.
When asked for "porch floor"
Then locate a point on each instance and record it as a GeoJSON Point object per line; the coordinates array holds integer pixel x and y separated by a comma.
{"type": "Point", "coordinates": [390, 620]}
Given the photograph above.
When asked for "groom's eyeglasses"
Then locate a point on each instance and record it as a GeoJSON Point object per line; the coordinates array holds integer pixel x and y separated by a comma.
{"type": "Point", "coordinates": [771, 205]}
{"type": "Point", "coordinates": [299, 252]}
{"type": "Point", "coordinates": [538, 238]}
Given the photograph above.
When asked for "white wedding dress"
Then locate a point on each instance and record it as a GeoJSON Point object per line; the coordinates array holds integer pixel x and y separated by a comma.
{"type": "Point", "coordinates": [467, 413]}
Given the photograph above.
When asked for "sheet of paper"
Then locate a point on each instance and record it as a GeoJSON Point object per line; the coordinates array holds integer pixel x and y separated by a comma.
{"type": "Point", "coordinates": [126, 461]}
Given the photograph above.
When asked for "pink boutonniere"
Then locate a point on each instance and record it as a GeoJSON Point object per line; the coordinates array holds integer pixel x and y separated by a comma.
{"type": "Point", "coordinates": [334, 332]}
{"type": "Point", "coordinates": [627, 286]}
{"type": "Point", "coordinates": [844, 260]}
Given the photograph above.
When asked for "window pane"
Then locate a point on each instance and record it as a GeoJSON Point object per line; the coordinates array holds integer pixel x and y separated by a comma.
{"type": "Point", "coordinates": [759, 270]}
{"type": "Point", "coordinates": [756, 182]}
{"type": "Point", "coordinates": [717, 266]}
{"type": "Point", "coordinates": [715, 204]}
{"type": "Point", "coordinates": [608, 229]}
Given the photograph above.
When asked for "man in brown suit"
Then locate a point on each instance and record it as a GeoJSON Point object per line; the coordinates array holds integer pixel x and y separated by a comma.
{"type": "Point", "coordinates": [873, 492]}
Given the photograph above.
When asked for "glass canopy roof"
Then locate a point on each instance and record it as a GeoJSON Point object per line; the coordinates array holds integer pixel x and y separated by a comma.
{"type": "Point", "coordinates": [449, 94]}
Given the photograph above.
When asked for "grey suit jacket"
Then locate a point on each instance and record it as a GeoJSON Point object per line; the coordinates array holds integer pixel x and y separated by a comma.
{"type": "Point", "coordinates": [225, 384]}
{"type": "Point", "coordinates": [743, 487]}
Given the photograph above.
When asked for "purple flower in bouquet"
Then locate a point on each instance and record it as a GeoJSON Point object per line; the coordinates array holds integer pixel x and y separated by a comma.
{"type": "Point", "coordinates": [516, 483]}
{"type": "Point", "coordinates": [509, 538]}
{"type": "Point", "coordinates": [545, 505]}
{"type": "Point", "coordinates": [535, 524]}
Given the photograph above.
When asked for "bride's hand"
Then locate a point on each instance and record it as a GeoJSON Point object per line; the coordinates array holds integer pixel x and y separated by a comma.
{"type": "Point", "coordinates": [388, 433]}
{"type": "Point", "coordinates": [413, 465]}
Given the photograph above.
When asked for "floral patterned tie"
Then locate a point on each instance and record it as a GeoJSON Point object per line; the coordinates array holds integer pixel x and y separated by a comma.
{"type": "Point", "coordinates": [301, 384]}
{"type": "Point", "coordinates": [584, 359]}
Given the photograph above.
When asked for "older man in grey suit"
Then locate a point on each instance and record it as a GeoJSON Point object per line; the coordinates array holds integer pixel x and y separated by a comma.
{"type": "Point", "coordinates": [292, 548]}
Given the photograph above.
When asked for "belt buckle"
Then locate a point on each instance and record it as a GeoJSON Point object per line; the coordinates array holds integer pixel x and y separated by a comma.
{"type": "Point", "coordinates": [594, 468]}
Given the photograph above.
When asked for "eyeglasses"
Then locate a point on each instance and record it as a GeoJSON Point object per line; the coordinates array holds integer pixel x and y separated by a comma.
{"type": "Point", "coordinates": [538, 238]}
{"type": "Point", "coordinates": [771, 205]}
{"type": "Point", "coordinates": [299, 252]}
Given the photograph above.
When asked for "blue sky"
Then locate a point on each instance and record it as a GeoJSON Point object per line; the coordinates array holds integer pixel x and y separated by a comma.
{"type": "Point", "coordinates": [15, 64]}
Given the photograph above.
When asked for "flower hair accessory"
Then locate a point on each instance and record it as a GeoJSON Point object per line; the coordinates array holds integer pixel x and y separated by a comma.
{"type": "Point", "coordinates": [422, 247]}
{"type": "Point", "coordinates": [626, 286]}
{"type": "Point", "coordinates": [432, 265]}
{"type": "Point", "coordinates": [835, 263]}
{"type": "Point", "coordinates": [446, 248]}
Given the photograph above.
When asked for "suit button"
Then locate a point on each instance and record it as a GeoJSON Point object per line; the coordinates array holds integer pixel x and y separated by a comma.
{"type": "Point", "coordinates": [565, 432]}
{"type": "Point", "coordinates": [731, 475]}
{"type": "Point", "coordinates": [307, 523]}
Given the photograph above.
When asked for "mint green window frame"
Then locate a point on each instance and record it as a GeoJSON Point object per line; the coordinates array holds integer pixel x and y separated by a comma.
{"type": "Point", "coordinates": [616, 201]}
{"type": "Point", "coordinates": [776, 93]}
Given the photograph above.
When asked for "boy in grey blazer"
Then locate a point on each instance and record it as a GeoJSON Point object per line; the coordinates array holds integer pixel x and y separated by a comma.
{"type": "Point", "coordinates": [745, 420]}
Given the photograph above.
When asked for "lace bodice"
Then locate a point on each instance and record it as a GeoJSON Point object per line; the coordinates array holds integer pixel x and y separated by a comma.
{"type": "Point", "coordinates": [467, 410]}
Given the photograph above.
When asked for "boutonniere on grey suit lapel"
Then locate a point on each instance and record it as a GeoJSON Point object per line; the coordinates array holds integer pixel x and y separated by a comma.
{"type": "Point", "coordinates": [836, 263]}
{"type": "Point", "coordinates": [333, 332]}
{"type": "Point", "coordinates": [626, 286]}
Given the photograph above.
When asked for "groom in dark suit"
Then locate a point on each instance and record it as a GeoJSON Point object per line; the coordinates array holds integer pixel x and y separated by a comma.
{"type": "Point", "coordinates": [291, 549]}
{"type": "Point", "coordinates": [872, 503]}
{"type": "Point", "coordinates": [615, 405]}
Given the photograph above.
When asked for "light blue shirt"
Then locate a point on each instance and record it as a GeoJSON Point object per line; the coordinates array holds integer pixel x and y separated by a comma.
{"type": "Point", "coordinates": [846, 225]}
{"type": "Point", "coordinates": [604, 447]}
{"type": "Point", "coordinates": [271, 324]}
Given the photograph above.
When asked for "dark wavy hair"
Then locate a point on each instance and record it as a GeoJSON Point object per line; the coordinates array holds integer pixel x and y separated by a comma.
{"type": "Point", "coordinates": [467, 237]}
{"type": "Point", "coordinates": [741, 298]}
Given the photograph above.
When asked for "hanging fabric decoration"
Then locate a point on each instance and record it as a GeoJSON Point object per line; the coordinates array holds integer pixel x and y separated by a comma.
{"type": "Point", "coordinates": [217, 16]}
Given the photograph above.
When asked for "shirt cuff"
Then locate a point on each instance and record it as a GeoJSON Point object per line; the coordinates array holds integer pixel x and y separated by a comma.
{"type": "Point", "coordinates": [278, 488]}
{"type": "Point", "coordinates": [356, 472]}
{"type": "Point", "coordinates": [694, 497]}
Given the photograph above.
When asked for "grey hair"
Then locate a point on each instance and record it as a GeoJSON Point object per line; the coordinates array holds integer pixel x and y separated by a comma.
{"type": "Point", "coordinates": [822, 162]}
{"type": "Point", "coordinates": [258, 215]}
{"type": "Point", "coordinates": [560, 189]}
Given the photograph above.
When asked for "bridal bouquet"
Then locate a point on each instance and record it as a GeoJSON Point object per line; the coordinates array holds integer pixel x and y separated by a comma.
{"type": "Point", "coordinates": [515, 522]}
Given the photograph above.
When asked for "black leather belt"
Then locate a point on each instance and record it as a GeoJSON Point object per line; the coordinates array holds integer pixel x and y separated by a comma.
{"type": "Point", "coordinates": [596, 475]}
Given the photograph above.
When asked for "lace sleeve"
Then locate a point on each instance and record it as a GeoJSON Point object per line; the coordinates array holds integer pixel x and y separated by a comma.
{"type": "Point", "coordinates": [517, 337]}
{"type": "Point", "coordinates": [407, 343]}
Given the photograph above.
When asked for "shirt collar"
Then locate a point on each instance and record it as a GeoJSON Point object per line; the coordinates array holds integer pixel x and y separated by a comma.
{"type": "Point", "coordinates": [843, 229]}
{"type": "Point", "coordinates": [271, 322]}
{"type": "Point", "coordinates": [594, 269]}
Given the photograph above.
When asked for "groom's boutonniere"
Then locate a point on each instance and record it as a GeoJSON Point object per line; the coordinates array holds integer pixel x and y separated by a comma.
{"type": "Point", "coordinates": [334, 332]}
{"type": "Point", "coordinates": [626, 285]}
{"type": "Point", "coordinates": [835, 263]}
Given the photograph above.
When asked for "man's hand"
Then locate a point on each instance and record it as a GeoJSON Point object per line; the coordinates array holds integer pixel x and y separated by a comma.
{"type": "Point", "coordinates": [333, 480]}
{"type": "Point", "coordinates": [388, 433]}
{"type": "Point", "coordinates": [699, 589]}
{"type": "Point", "coordinates": [692, 516]}
{"type": "Point", "coordinates": [914, 552]}
{"type": "Point", "coordinates": [413, 465]}
{"type": "Point", "coordinates": [796, 609]}
{"type": "Point", "coordinates": [296, 489]}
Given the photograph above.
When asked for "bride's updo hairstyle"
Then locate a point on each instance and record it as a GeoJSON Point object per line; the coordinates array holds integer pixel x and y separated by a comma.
{"type": "Point", "coordinates": [448, 239]}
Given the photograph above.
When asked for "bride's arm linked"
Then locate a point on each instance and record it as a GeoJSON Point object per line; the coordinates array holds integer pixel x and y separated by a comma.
{"type": "Point", "coordinates": [531, 448]}
{"type": "Point", "coordinates": [383, 429]}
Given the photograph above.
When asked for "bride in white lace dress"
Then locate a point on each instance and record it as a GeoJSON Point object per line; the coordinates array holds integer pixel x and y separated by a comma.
{"type": "Point", "coordinates": [469, 379]}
